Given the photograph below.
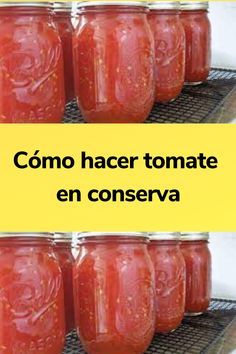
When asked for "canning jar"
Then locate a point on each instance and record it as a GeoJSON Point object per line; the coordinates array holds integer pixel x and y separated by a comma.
{"type": "Point", "coordinates": [31, 68]}
{"type": "Point", "coordinates": [31, 296]}
{"type": "Point", "coordinates": [114, 62]}
{"type": "Point", "coordinates": [114, 293]}
{"type": "Point", "coordinates": [63, 20]}
{"type": "Point", "coordinates": [169, 41]}
{"type": "Point", "coordinates": [170, 275]}
{"type": "Point", "coordinates": [194, 247]}
{"type": "Point", "coordinates": [63, 251]}
{"type": "Point", "coordinates": [194, 17]}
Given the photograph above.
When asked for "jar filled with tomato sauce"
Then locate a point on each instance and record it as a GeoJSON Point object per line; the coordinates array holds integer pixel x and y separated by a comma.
{"type": "Point", "coordinates": [169, 266]}
{"type": "Point", "coordinates": [63, 20]}
{"type": "Point", "coordinates": [114, 62]}
{"type": "Point", "coordinates": [63, 251]}
{"type": "Point", "coordinates": [31, 69]}
{"type": "Point", "coordinates": [194, 247]}
{"type": "Point", "coordinates": [194, 17]}
{"type": "Point", "coordinates": [169, 40]}
{"type": "Point", "coordinates": [114, 293]}
{"type": "Point", "coordinates": [31, 296]}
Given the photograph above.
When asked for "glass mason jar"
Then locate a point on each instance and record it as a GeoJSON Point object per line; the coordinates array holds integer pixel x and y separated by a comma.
{"type": "Point", "coordinates": [31, 70]}
{"type": "Point", "coordinates": [194, 17]}
{"type": "Point", "coordinates": [63, 20]}
{"type": "Point", "coordinates": [170, 276]}
{"type": "Point", "coordinates": [169, 41]}
{"type": "Point", "coordinates": [114, 293]}
{"type": "Point", "coordinates": [63, 251]}
{"type": "Point", "coordinates": [194, 247]}
{"type": "Point", "coordinates": [31, 296]}
{"type": "Point", "coordinates": [114, 62]}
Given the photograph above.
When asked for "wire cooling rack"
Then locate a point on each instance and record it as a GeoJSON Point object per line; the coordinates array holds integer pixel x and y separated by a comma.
{"type": "Point", "coordinates": [194, 105]}
{"type": "Point", "coordinates": [196, 335]}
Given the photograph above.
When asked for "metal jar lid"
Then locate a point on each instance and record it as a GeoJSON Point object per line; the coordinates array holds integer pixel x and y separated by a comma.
{"type": "Point", "coordinates": [62, 6]}
{"type": "Point", "coordinates": [194, 236]}
{"type": "Point", "coordinates": [111, 233]}
{"type": "Point", "coordinates": [164, 5]}
{"type": "Point", "coordinates": [194, 5]}
{"type": "Point", "coordinates": [62, 237]}
{"type": "Point", "coordinates": [26, 4]}
{"type": "Point", "coordinates": [112, 3]}
{"type": "Point", "coordinates": [26, 234]}
{"type": "Point", "coordinates": [164, 236]}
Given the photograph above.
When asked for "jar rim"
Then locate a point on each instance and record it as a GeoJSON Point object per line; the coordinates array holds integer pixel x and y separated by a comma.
{"type": "Point", "coordinates": [194, 5]}
{"type": "Point", "coordinates": [164, 236]}
{"type": "Point", "coordinates": [43, 4]}
{"type": "Point", "coordinates": [87, 234]}
{"type": "Point", "coordinates": [26, 234]}
{"type": "Point", "coordinates": [60, 6]}
{"type": "Point", "coordinates": [136, 3]}
{"type": "Point", "coordinates": [194, 236]}
{"type": "Point", "coordinates": [62, 237]}
{"type": "Point", "coordinates": [164, 5]}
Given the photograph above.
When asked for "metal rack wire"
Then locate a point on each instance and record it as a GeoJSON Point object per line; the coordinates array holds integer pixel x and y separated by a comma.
{"type": "Point", "coordinates": [196, 335]}
{"type": "Point", "coordinates": [194, 105]}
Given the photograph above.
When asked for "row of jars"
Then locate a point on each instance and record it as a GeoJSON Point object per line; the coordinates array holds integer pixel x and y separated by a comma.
{"type": "Point", "coordinates": [125, 55]}
{"type": "Point", "coordinates": [118, 291]}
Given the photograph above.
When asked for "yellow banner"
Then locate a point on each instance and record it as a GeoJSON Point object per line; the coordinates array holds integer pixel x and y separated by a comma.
{"type": "Point", "coordinates": [118, 177]}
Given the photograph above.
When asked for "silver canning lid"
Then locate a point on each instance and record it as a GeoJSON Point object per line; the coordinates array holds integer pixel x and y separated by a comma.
{"type": "Point", "coordinates": [194, 236]}
{"type": "Point", "coordinates": [60, 237]}
{"type": "Point", "coordinates": [111, 233]}
{"type": "Point", "coordinates": [164, 5]}
{"type": "Point", "coordinates": [194, 5]}
{"type": "Point", "coordinates": [164, 236]}
{"type": "Point", "coordinates": [61, 6]}
{"type": "Point", "coordinates": [26, 4]}
{"type": "Point", "coordinates": [112, 3]}
{"type": "Point", "coordinates": [26, 234]}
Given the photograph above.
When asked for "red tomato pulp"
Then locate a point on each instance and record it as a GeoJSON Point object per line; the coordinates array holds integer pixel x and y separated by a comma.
{"type": "Point", "coordinates": [114, 64]}
{"type": "Point", "coordinates": [198, 276]}
{"type": "Point", "coordinates": [31, 297]}
{"type": "Point", "coordinates": [198, 45]}
{"type": "Point", "coordinates": [114, 295]}
{"type": "Point", "coordinates": [169, 269]}
{"type": "Point", "coordinates": [169, 40]}
{"type": "Point", "coordinates": [31, 67]}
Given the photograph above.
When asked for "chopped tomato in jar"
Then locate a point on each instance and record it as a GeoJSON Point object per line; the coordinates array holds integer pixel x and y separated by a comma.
{"type": "Point", "coordinates": [170, 275]}
{"type": "Point", "coordinates": [169, 41]}
{"type": "Point", "coordinates": [63, 20]}
{"type": "Point", "coordinates": [197, 28]}
{"type": "Point", "coordinates": [197, 258]}
{"type": "Point", "coordinates": [31, 296]}
{"type": "Point", "coordinates": [114, 293]}
{"type": "Point", "coordinates": [63, 252]}
{"type": "Point", "coordinates": [114, 63]}
{"type": "Point", "coordinates": [31, 67]}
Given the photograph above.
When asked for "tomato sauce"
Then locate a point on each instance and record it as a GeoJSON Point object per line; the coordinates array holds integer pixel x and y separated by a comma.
{"type": "Point", "coordinates": [170, 275]}
{"type": "Point", "coordinates": [31, 69]}
{"type": "Point", "coordinates": [197, 257]}
{"type": "Point", "coordinates": [63, 21]}
{"type": "Point", "coordinates": [114, 294]}
{"type": "Point", "coordinates": [31, 296]}
{"type": "Point", "coordinates": [63, 251]}
{"type": "Point", "coordinates": [114, 63]}
{"type": "Point", "coordinates": [197, 28]}
{"type": "Point", "coordinates": [169, 40]}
